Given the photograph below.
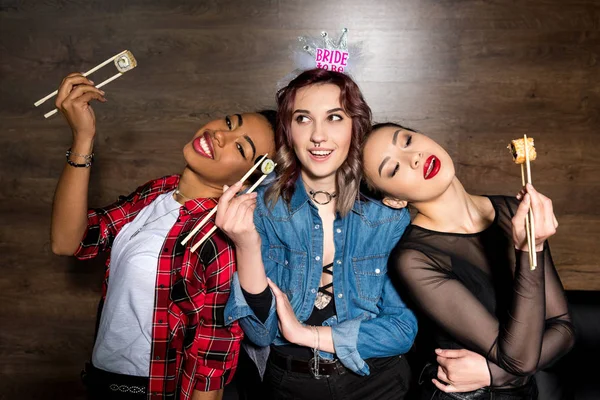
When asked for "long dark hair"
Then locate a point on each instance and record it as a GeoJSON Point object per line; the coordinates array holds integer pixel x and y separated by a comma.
{"type": "Point", "coordinates": [349, 175]}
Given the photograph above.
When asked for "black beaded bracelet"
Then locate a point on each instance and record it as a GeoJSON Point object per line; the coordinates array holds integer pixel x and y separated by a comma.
{"type": "Point", "coordinates": [88, 160]}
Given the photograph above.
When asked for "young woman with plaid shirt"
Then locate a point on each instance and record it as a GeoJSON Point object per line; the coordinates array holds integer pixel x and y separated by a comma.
{"type": "Point", "coordinates": [161, 330]}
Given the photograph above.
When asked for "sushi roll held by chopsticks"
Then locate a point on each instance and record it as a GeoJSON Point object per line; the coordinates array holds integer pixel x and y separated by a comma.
{"type": "Point", "coordinates": [124, 61]}
{"type": "Point", "coordinates": [517, 148]}
{"type": "Point", "coordinates": [266, 167]}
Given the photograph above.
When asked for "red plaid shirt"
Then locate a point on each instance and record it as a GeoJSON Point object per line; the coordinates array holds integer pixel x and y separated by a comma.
{"type": "Point", "coordinates": [191, 346]}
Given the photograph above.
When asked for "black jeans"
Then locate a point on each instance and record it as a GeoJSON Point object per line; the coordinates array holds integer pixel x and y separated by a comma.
{"type": "Point", "coordinates": [389, 379]}
{"type": "Point", "coordinates": [104, 385]}
{"type": "Point", "coordinates": [248, 384]}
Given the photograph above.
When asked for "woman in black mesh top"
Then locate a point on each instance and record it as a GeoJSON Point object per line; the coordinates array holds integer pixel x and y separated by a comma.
{"type": "Point", "coordinates": [465, 264]}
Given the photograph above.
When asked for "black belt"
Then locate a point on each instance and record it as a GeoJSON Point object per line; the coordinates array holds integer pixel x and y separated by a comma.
{"type": "Point", "coordinates": [289, 363]}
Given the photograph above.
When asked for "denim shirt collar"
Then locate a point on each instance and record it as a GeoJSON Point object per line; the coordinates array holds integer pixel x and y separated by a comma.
{"type": "Point", "coordinates": [300, 197]}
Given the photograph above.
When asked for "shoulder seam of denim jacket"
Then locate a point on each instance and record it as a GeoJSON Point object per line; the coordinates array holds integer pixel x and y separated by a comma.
{"type": "Point", "coordinates": [373, 222]}
{"type": "Point", "coordinates": [362, 207]}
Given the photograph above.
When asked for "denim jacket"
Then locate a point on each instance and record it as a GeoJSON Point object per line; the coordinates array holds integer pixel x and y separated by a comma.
{"type": "Point", "coordinates": [371, 319]}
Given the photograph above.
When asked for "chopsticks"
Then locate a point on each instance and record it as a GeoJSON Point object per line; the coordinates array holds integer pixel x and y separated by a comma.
{"type": "Point", "coordinates": [91, 71]}
{"type": "Point", "coordinates": [214, 228]}
{"type": "Point", "coordinates": [124, 61]}
{"type": "Point", "coordinates": [529, 223]}
{"type": "Point", "coordinates": [214, 210]}
{"type": "Point", "coordinates": [98, 86]}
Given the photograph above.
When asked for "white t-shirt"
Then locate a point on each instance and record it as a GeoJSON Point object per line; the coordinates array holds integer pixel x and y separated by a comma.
{"type": "Point", "coordinates": [124, 339]}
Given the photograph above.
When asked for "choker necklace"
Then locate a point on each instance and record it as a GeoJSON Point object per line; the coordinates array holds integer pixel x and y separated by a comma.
{"type": "Point", "coordinates": [325, 196]}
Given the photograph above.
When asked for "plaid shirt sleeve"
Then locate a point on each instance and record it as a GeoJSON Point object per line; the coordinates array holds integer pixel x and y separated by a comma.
{"type": "Point", "coordinates": [104, 223]}
{"type": "Point", "coordinates": [218, 344]}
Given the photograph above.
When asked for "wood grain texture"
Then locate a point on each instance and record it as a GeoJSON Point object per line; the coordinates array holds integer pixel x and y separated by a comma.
{"type": "Point", "coordinates": [473, 75]}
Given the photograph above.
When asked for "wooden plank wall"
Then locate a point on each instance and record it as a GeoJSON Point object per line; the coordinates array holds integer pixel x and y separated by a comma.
{"type": "Point", "coordinates": [473, 74]}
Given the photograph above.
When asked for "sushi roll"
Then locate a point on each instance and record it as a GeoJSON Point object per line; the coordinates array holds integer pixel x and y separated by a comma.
{"type": "Point", "coordinates": [267, 166]}
{"type": "Point", "coordinates": [125, 62]}
{"type": "Point", "coordinates": [517, 148]}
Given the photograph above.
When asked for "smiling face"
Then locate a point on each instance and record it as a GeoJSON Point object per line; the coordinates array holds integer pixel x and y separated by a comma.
{"type": "Point", "coordinates": [321, 130]}
{"type": "Point", "coordinates": [406, 165]}
{"type": "Point", "coordinates": [222, 151]}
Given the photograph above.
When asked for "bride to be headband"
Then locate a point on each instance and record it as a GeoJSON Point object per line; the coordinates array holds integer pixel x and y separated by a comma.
{"type": "Point", "coordinates": [329, 54]}
{"type": "Point", "coordinates": [324, 52]}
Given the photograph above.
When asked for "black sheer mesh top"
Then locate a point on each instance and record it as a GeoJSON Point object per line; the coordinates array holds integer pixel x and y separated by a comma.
{"type": "Point", "coordinates": [475, 291]}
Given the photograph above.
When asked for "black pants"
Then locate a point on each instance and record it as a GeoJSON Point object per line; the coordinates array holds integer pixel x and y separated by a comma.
{"type": "Point", "coordinates": [389, 379]}
{"type": "Point", "coordinates": [104, 385]}
{"type": "Point", "coordinates": [247, 379]}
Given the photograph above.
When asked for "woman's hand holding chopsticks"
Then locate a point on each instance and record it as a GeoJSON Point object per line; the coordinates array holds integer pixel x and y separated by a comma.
{"type": "Point", "coordinates": [235, 217]}
{"type": "Point", "coordinates": [543, 214]}
{"type": "Point", "coordinates": [73, 100]}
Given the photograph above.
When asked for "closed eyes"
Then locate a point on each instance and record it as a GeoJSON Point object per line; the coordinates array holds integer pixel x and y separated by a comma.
{"type": "Point", "coordinates": [396, 169]}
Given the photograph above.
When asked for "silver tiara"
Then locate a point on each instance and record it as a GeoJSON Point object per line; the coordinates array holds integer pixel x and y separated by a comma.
{"type": "Point", "coordinates": [310, 45]}
{"type": "Point", "coordinates": [308, 50]}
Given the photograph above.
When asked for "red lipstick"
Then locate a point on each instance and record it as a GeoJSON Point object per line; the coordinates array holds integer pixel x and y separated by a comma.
{"type": "Point", "coordinates": [431, 167]}
{"type": "Point", "coordinates": [204, 146]}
